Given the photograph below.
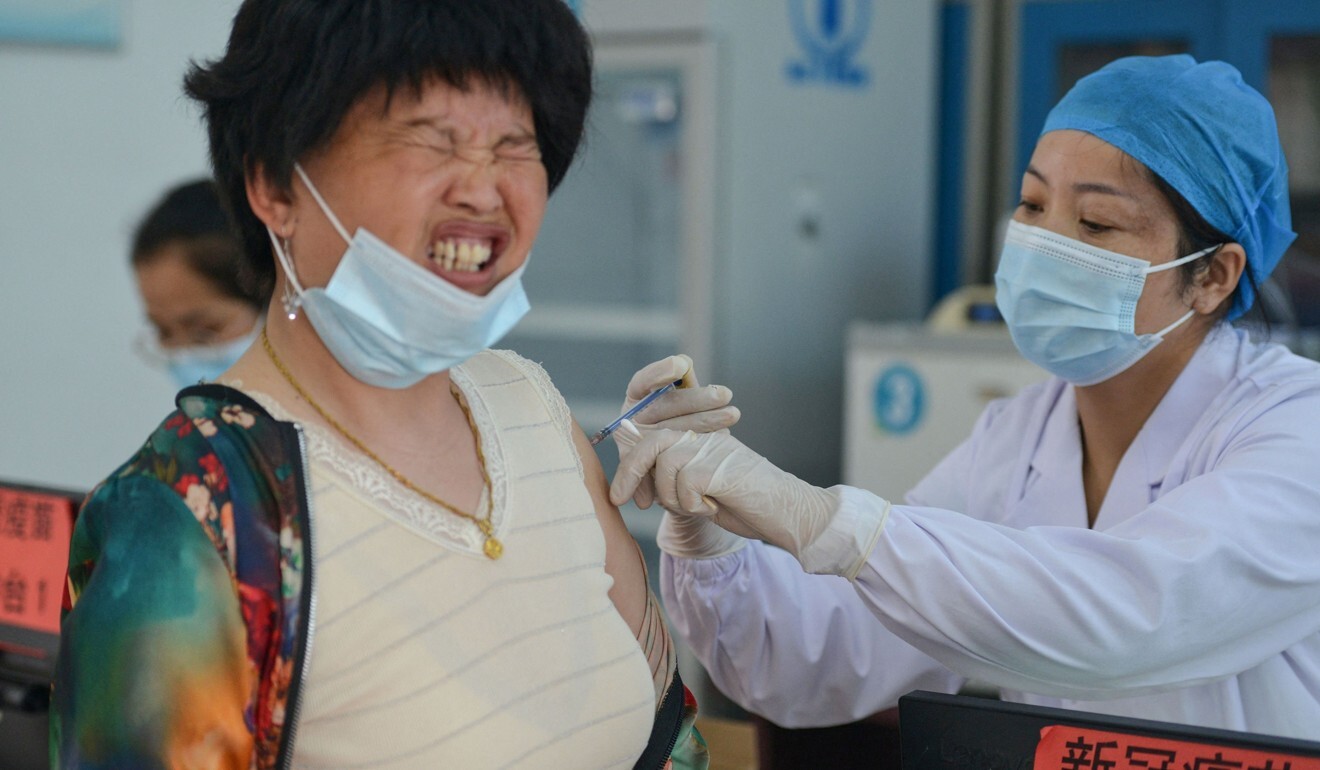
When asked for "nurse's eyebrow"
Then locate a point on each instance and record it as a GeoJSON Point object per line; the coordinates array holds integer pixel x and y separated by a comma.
{"type": "Point", "coordinates": [1103, 189]}
{"type": "Point", "coordinates": [1083, 187]}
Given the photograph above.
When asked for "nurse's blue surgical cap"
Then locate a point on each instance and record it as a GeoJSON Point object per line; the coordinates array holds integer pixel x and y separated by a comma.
{"type": "Point", "coordinates": [1209, 135]}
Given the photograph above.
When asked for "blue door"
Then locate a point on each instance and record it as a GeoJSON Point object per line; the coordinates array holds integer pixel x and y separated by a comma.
{"type": "Point", "coordinates": [1276, 45]}
{"type": "Point", "coordinates": [1060, 42]}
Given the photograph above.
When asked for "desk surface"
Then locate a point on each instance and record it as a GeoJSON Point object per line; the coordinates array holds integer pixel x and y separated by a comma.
{"type": "Point", "coordinates": [732, 743]}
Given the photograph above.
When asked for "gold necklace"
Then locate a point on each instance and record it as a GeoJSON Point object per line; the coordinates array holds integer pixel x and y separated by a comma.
{"type": "Point", "coordinates": [493, 548]}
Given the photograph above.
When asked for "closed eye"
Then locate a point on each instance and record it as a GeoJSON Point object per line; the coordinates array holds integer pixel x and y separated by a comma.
{"type": "Point", "coordinates": [519, 148]}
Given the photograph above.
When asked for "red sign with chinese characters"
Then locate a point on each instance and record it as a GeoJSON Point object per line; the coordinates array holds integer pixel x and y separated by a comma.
{"type": "Point", "coordinates": [1075, 748]}
{"type": "Point", "coordinates": [34, 547]}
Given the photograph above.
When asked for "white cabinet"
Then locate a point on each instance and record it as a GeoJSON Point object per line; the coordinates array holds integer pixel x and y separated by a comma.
{"type": "Point", "coordinates": [912, 395]}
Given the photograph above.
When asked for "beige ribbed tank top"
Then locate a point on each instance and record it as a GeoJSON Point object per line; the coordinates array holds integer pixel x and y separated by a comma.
{"type": "Point", "coordinates": [428, 655]}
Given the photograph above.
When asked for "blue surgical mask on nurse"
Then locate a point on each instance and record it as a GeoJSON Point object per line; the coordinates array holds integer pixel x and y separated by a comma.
{"type": "Point", "coordinates": [1071, 307]}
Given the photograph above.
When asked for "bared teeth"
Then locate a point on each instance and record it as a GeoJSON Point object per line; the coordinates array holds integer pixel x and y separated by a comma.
{"type": "Point", "coordinates": [460, 255]}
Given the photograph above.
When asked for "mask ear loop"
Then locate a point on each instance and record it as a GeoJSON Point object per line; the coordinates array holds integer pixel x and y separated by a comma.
{"type": "Point", "coordinates": [292, 298]}
{"type": "Point", "coordinates": [1170, 265]}
{"type": "Point", "coordinates": [1160, 334]}
{"type": "Point", "coordinates": [1182, 260]}
{"type": "Point", "coordinates": [325, 207]}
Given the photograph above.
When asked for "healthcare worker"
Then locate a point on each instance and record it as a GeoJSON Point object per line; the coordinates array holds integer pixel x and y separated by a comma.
{"type": "Point", "coordinates": [203, 308]}
{"type": "Point", "coordinates": [1139, 535]}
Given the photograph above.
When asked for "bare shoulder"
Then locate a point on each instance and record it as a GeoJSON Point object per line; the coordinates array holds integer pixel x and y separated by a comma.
{"type": "Point", "coordinates": [623, 559]}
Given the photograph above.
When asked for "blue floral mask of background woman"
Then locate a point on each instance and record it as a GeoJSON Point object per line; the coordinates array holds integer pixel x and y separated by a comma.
{"type": "Point", "coordinates": [1071, 307]}
{"type": "Point", "coordinates": [390, 322]}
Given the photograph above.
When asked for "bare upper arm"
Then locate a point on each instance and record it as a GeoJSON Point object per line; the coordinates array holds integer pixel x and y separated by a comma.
{"type": "Point", "coordinates": [623, 559]}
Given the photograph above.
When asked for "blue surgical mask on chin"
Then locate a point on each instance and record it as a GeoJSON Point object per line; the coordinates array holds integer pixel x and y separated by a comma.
{"type": "Point", "coordinates": [1071, 307]}
{"type": "Point", "coordinates": [190, 366]}
{"type": "Point", "coordinates": [389, 321]}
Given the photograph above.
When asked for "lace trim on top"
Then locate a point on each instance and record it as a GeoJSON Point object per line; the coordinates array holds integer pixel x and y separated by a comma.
{"type": "Point", "coordinates": [396, 501]}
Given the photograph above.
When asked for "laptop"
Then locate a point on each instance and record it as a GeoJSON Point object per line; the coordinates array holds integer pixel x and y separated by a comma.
{"type": "Point", "coordinates": [948, 732]}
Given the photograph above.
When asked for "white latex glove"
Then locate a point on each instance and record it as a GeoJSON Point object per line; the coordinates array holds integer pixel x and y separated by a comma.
{"type": "Point", "coordinates": [716, 476]}
{"type": "Point", "coordinates": [690, 537]}
{"type": "Point", "coordinates": [687, 407]}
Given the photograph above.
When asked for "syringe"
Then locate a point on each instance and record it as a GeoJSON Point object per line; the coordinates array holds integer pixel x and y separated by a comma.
{"type": "Point", "coordinates": [605, 432]}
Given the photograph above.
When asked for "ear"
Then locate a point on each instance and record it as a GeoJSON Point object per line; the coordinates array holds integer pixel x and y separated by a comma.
{"type": "Point", "coordinates": [1220, 278]}
{"type": "Point", "coordinates": [270, 202]}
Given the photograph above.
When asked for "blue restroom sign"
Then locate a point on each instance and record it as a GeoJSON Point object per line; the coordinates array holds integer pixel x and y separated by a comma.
{"type": "Point", "coordinates": [899, 400]}
{"type": "Point", "coordinates": [829, 33]}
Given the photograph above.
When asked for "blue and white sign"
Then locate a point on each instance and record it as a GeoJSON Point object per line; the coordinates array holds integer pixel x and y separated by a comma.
{"type": "Point", "coordinates": [830, 33]}
{"type": "Point", "coordinates": [899, 399]}
{"type": "Point", "coordinates": [71, 22]}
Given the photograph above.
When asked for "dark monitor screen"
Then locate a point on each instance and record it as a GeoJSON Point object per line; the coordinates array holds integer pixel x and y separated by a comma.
{"type": "Point", "coordinates": [948, 732]}
{"type": "Point", "coordinates": [36, 523]}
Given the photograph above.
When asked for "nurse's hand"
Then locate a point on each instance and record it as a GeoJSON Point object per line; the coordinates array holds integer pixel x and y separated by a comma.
{"type": "Point", "coordinates": [688, 407]}
{"type": "Point", "coordinates": [714, 475]}
{"type": "Point", "coordinates": [689, 537]}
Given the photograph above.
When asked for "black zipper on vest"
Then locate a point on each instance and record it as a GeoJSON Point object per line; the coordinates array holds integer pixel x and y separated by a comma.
{"type": "Point", "coordinates": [673, 739]}
{"type": "Point", "coordinates": [672, 713]}
{"type": "Point", "coordinates": [304, 650]}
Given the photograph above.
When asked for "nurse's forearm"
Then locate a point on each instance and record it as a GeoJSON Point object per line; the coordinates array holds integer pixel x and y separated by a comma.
{"type": "Point", "coordinates": [799, 649]}
{"type": "Point", "coordinates": [1071, 612]}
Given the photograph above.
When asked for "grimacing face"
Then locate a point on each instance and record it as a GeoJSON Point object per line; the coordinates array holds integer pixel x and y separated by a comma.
{"type": "Point", "coordinates": [450, 178]}
{"type": "Point", "coordinates": [1086, 189]}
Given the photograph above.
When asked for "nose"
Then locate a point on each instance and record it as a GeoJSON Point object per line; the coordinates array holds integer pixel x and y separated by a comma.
{"type": "Point", "coordinates": [474, 186]}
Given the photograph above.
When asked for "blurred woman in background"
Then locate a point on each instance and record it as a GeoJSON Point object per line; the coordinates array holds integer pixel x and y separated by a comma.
{"type": "Point", "coordinates": [203, 306]}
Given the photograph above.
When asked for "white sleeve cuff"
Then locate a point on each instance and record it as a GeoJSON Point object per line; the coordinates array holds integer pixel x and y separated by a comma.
{"type": "Point", "coordinates": [846, 543]}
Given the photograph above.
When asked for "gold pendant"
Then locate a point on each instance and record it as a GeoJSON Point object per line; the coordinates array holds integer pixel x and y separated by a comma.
{"type": "Point", "coordinates": [494, 549]}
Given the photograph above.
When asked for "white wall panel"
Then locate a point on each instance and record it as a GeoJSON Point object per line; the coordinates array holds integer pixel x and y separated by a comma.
{"type": "Point", "coordinates": [88, 139]}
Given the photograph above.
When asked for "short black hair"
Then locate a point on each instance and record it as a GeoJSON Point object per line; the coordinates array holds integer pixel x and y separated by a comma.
{"type": "Point", "coordinates": [293, 70]}
{"type": "Point", "coordinates": [190, 215]}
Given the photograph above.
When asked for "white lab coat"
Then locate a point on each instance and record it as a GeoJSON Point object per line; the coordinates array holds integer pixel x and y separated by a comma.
{"type": "Point", "coordinates": [1195, 598]}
